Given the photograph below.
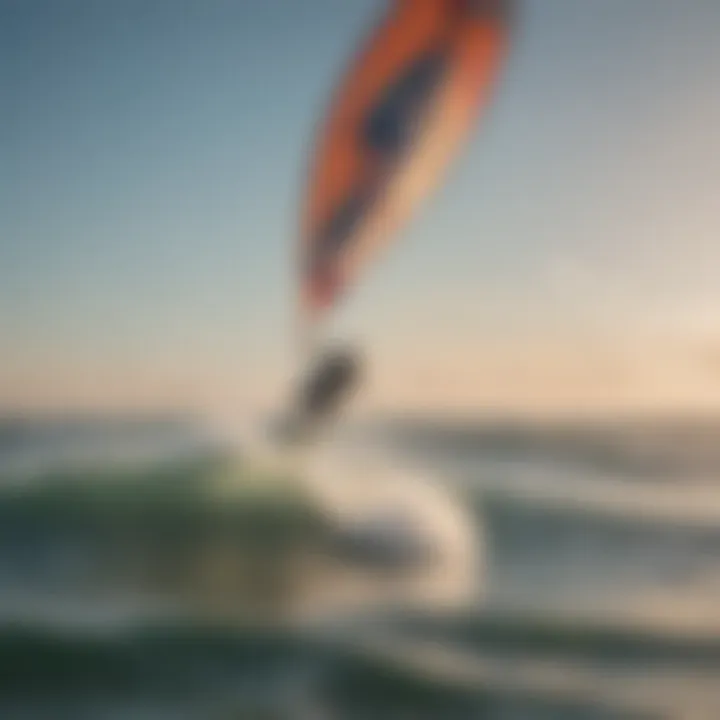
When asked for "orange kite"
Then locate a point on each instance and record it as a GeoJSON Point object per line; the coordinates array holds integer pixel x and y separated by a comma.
{"type": "Point", "coordinates": [408, 102]}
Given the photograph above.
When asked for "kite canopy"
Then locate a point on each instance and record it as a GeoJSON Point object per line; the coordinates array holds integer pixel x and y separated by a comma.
{"type": "Point", "coordinates": [405, 107]}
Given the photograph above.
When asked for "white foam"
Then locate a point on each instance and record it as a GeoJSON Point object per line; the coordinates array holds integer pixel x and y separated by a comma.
{"type": "Point", "coordinates": [362, 488]}
{"type": "Point", "coordinates": [357, 486]}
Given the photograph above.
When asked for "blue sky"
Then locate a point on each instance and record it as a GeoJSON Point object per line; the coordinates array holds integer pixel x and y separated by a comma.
{"type": "Point", "coordinates": [152, 158]}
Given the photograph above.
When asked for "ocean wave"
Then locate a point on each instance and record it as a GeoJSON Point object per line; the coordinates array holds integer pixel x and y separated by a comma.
{"type": "Point", "coordinates": [382, 674]}
{"type": "Point", "coordinates": [573, 638]}
{"type": "Point", "coordinates": [639, 449]}
{"type": "Point", "coordinates": [195, 491]}
{"type": "Point", "coordinates": [214, 531]}
{"type": "Point", "coordinates": [223, 535]}
{"type": "Point", "coordinates": [206, 531]}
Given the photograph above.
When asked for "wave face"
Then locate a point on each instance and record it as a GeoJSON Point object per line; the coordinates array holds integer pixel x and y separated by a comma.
{"type": "Point", "coordinates": [148, 572]}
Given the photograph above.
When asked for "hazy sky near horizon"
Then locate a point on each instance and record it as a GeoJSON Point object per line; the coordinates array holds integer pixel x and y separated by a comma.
{"type": "Point", "coordinates": [152, 158]}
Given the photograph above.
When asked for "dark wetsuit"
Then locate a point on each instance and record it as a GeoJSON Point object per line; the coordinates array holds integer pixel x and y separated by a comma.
{"type": "Point", "coordinates": [335, 375]}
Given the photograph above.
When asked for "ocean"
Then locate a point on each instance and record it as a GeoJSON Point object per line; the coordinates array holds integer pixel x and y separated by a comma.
{"type": "Point", "coordinates": [149, 570]}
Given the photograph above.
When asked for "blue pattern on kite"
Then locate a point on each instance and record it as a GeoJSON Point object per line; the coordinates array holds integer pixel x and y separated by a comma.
{"type": "Point", "coordinates": [389, 127]}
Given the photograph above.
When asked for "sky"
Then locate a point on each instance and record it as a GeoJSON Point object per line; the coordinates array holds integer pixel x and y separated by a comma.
{"type": "Point", "coordinates": [152, 165]}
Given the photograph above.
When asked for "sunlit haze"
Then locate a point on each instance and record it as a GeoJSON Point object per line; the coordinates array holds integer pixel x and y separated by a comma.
{"type": "Point", "coordinates": [152, 166]}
